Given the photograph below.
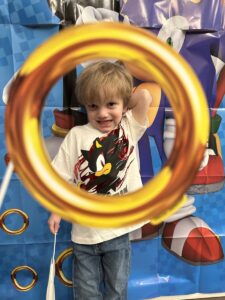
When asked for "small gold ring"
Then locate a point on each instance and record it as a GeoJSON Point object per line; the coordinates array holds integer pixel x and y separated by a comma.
{"type": "Point", "coordinates": [27, 287]}
{"type": "Point", "coordinates": [58, 266]}
{"type": "Point", "coordinates": [14, 211]}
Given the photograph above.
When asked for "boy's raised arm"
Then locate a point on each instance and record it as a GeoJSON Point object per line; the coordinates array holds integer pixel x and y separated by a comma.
{"type": "Point", "coordinates": [140, 102]}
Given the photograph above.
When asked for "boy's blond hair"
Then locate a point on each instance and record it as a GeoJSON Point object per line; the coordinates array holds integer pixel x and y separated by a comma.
{"type": "Point", "coordinates": [104, 81]}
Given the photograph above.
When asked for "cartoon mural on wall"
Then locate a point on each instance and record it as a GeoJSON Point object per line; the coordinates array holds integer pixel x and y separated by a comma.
{"type": "Point", "coordinates": [210, 177]}
{"type": "Point", "coordinates": [155, 272]}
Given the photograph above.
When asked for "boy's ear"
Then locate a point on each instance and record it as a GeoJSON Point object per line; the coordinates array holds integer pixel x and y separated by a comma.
{"type": "Point", "coordinates": [125, 109]}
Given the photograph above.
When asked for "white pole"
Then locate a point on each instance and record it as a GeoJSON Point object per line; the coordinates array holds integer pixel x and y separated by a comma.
{"type": "Point", "coordinates": [5, 181]}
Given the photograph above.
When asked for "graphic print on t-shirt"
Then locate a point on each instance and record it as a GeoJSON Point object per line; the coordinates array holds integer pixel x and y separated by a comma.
{"type": "Point", "coordinates": [103, 168]}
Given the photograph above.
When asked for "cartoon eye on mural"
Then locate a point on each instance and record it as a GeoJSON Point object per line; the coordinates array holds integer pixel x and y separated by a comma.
{"type": "Point", "coordinates": [195, 29]}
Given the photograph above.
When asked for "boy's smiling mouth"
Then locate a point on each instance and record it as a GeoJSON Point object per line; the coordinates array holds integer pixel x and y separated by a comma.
{"type": "Point", "coordinates": [102, 122]}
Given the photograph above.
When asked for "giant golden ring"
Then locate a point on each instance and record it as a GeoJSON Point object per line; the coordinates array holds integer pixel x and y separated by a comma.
{"type": "Point", "coordinates": [158, 198]}
{"type": "Point", "coordinates": [26, 287]}
{"type": "Point", "coordinates": [14, 211]}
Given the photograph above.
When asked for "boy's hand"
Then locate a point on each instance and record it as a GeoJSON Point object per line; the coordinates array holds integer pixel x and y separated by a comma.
{"type": "Point", "coordinates": [54, 223]}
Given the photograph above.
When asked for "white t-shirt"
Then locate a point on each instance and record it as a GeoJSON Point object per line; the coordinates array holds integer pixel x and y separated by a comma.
{"type": "Point", "coordinates": [101, 163]}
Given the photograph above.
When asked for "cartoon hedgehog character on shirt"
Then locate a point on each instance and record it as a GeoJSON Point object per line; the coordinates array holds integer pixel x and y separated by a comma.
{"type": "Point", "coordinates": [104, 167]}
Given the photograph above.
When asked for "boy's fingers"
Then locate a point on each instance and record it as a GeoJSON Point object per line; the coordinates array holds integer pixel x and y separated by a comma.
{"type": "Point", "coordinates": [54, 223]}
{"type": "Point", "coordinates": [51, 227]}
{"type": "Point", "coordinates": [56, 227]}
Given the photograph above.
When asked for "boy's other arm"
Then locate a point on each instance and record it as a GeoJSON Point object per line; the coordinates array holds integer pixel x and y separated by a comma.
{"type": "Point", "coordinates": [54, 223]}
{"type": "Point", "coordinates": [140, 102]}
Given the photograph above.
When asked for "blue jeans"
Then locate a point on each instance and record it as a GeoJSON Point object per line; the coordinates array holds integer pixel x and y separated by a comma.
{"type": "Point", "coordinates": [101, 271]}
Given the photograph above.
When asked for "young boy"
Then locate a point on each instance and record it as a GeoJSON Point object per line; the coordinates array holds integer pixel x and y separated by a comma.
{"type": "Point", "coordinates": [100, 157]}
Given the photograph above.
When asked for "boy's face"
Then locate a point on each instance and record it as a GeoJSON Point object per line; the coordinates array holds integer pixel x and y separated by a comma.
{"type": "Point", "coordinates": [105, 116]}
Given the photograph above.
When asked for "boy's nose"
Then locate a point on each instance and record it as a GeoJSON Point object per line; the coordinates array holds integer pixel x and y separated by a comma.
{"type": "Point", "coordinates": [102, 112]}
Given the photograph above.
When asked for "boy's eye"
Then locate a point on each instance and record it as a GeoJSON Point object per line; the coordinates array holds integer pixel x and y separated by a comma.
{"type": "Point", "coordinates": [111, 104]}
{"type": "Point", "coordinates": [92, 106]}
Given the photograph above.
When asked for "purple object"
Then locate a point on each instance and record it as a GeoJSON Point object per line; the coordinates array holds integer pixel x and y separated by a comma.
{"type": "Point", "coordinates": [206, 15]}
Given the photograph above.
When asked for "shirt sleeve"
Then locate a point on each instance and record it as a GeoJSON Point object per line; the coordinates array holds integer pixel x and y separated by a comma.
{"type": "Point", "coordinates": [62, 162]}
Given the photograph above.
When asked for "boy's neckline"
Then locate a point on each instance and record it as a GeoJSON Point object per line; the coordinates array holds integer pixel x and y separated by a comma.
{"type": "Point", "coordinates": [102, 133]}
